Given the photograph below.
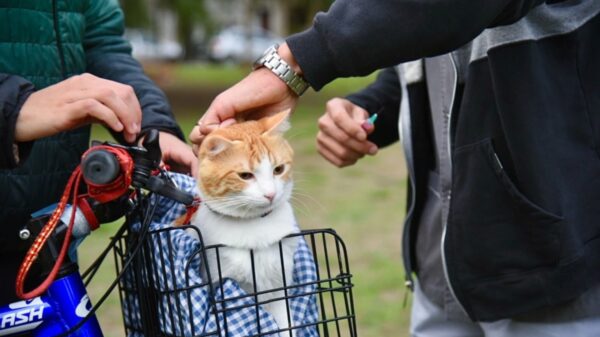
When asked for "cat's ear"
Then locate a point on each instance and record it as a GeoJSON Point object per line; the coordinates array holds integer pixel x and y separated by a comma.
{"type": "Point", "coordinates": [278, 123]}
{"type": "Point", "coordinates": [213, 145]}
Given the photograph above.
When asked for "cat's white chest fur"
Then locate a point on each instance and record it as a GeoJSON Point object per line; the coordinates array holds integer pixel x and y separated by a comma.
{"type": "Point", "coordinates": [263, 237]}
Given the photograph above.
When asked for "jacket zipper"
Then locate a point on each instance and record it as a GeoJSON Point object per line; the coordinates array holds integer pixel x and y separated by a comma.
{"type": "Point", "coordinates": [61, 55]}
{"type": "Point", "coordinates": [449, 196]}
{"type": "Point", "coordinates": [406, 137]}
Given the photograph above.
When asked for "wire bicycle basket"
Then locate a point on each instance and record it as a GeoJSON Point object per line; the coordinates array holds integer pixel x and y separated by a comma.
{"type": "Point", "coordinates": [170, 283]}
{"type": "Point", "coordinates": [166, 290]}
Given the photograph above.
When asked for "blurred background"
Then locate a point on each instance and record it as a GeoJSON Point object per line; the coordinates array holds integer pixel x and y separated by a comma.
{"type": "Point", "coordinates": [194, 49]}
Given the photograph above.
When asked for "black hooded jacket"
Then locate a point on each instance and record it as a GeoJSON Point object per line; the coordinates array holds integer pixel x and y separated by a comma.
{"type": "Point", "coordinates": [523, 225]}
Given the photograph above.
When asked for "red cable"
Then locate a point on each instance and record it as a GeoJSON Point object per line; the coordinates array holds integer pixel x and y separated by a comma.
{"type": "Point", "coordinates": [41, 239]}
{"type": "Point", "coordinates": [102, 193]}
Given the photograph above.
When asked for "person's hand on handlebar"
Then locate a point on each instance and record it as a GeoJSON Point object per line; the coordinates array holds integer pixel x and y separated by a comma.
{"type": "Point", "coordinates": [86, 99]}
{"type": "Point", "coordinates": [77, 101]}
{"type": "Point", "coordinates": [258, 94]}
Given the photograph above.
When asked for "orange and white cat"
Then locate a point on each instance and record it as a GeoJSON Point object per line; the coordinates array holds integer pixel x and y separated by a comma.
{"type": "Point", "coordinates": [245, 184]}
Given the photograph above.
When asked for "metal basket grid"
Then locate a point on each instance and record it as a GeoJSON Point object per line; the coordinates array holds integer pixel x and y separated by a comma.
{"type": "Point", "coordinates": [166, 291]}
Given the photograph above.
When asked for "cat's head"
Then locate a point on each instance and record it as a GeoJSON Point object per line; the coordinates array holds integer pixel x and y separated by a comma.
{"type": "Point", "coordinates": [245, 170]}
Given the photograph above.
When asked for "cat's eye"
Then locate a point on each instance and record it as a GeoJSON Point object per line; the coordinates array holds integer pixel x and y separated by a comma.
{"type": "Point", "coordinates": [246, 175]}
{"type": "Point", "coordinates": [278, 169]}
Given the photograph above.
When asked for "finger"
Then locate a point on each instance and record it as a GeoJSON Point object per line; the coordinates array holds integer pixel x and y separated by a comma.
{"type": "Point", "coordinates": [118, 97]}
{"type": "Point", "coordinates": [340, 137]}
{"type": "Point", "coordinates": [195, 135]}
{"type": "Point", "coordinates": [368, 127]}
{"type": "Point", "coordinates": [127, 93]}
{"type": "Point", "coordinates": [176, 153]}
{"type": "Point", "coordinates": [219, 110]}
{"type": "Point", "coordinates": [205, 129]}
{"type": "Point", "coordinates": [126, 107]}
{"type": "Point", "coordinates": [92, 108]}
{"type": "Point", "coordinates": [345, 154]}
{"type": "Point", "coordinates": [180, 163]}
{"type": "Point", "coordinates": [227, 122]}
{"type": "Point", "coordinates": [119, 110]}
{"type": "Point", "coordinates": [331, 157]}
{"type": "Point", "coordinates": [328, 128]}
{"type": "Point", "coordinates": [350, 123]}
{"type": "Point", "coordinates": [261, 91]}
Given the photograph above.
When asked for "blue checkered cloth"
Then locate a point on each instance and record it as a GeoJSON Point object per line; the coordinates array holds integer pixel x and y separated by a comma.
{"type": "Point", "coordinates": [185, 306]}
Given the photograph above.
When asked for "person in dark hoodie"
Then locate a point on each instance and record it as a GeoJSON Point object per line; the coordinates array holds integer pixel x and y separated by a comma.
{"type": "Point", "coordinates": [64, 66]}
{"type": "Point", "coordinates": [498, 106]}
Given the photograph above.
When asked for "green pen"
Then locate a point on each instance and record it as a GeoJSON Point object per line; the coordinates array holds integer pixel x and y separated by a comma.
{"type": "Point", "coordinates": [370, 121]}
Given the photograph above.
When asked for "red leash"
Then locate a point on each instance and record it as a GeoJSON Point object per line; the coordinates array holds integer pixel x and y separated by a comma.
{"type": "Point", "coordinates": [102, 193]}
{"type": "Point", "coordinates": [41, 239]}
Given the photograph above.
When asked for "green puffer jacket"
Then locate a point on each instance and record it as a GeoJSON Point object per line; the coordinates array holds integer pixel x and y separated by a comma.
{"type": "Point", "coordinates": [42, 43]}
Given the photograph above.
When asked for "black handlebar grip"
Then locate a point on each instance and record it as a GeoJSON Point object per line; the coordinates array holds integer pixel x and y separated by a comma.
{"type": "Point", "coordinates": [100, 167]}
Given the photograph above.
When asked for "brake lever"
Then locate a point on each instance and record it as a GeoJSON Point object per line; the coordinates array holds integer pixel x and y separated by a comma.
{"type": "Point", "coordinates": [167, 189]}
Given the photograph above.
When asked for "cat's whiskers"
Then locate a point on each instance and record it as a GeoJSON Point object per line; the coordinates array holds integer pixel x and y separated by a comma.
{"type": "Point", "coordinates": [297, 194]}
{"type": "Point", "coordinates": [242, 163]}
{"type": "Point", "coordinates": [300, 206]}
{"type": "Point", "coordinates": [296, 133]}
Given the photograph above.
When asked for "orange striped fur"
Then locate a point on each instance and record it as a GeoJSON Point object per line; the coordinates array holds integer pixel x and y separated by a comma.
{"type": "Point", "coordinates": [239, 148]}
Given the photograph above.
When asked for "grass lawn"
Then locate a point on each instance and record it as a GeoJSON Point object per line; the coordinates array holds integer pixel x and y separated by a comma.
{"type": "Point", "coordinates": [364, 203]}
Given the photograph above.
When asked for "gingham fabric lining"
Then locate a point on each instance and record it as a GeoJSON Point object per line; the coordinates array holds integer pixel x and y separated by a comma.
{"type": "Point", "coordinates": [187, 312]}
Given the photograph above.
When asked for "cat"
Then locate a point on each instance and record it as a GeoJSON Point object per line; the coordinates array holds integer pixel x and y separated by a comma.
{"type": "Point", "coordinates": [245, 185]}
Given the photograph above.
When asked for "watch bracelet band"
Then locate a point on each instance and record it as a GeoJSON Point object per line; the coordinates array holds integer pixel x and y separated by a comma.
{"type": "Point", "coordinates": [272, 61]}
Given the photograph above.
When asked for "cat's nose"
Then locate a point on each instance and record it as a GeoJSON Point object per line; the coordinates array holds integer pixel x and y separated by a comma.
{"type": "Point", "coordinates": [270, 196]}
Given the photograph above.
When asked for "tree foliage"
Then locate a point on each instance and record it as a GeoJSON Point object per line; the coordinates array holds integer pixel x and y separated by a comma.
{"type": "Point", "coordinates": [302, 12]}
{"type": "Point", "coordinates": [189, 14]}
{"type": "Point", "coordinates": [136, 13]}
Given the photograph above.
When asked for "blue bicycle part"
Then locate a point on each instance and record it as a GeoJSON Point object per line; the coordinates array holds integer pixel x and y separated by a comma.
{"type": "Point", "coordinates": [64, 306]}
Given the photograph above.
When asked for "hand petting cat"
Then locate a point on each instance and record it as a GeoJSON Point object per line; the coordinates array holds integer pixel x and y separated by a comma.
{"type": "Point", "coordinates": [258, 94]}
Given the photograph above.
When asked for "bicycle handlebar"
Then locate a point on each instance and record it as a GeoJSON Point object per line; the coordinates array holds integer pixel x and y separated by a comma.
{"type": "Point", "coordinates": [101, 167]}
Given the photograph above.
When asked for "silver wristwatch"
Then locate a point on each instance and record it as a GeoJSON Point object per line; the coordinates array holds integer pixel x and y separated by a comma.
{"type": "Point", "coordinates": [272, 61]}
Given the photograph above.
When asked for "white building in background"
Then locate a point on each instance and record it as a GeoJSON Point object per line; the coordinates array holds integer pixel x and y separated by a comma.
{"type": "Point", "coordinates": [268, 14]}
{"type": "Point", "coordinates": [161, 41]}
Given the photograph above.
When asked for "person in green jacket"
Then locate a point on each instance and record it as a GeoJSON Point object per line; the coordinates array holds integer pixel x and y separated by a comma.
{"type": "Point", "coordinates": [64, 66]}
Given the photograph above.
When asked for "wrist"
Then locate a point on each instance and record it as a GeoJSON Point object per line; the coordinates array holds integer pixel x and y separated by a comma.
{"type": "Point", "coordinates": [286, 54]}
{"type": "Point", "coordinates": [273, 60]}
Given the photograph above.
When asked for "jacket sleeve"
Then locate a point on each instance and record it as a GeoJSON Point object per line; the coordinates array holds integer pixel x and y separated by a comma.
{"type": "Point", "coordinates": [108, 56]}
{"type": "Point", "coordinates": [382, 97]}
{"type": "Point", "coordinates": [14, 91]}
{"type": "Point", "coordinates": [357, 37]}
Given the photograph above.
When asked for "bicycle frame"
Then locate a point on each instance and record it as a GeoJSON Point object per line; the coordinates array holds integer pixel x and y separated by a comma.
{"type": "Point", "coordinates": [64, 309]}
{"type": "Point", "coordinates": [64, 306]}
